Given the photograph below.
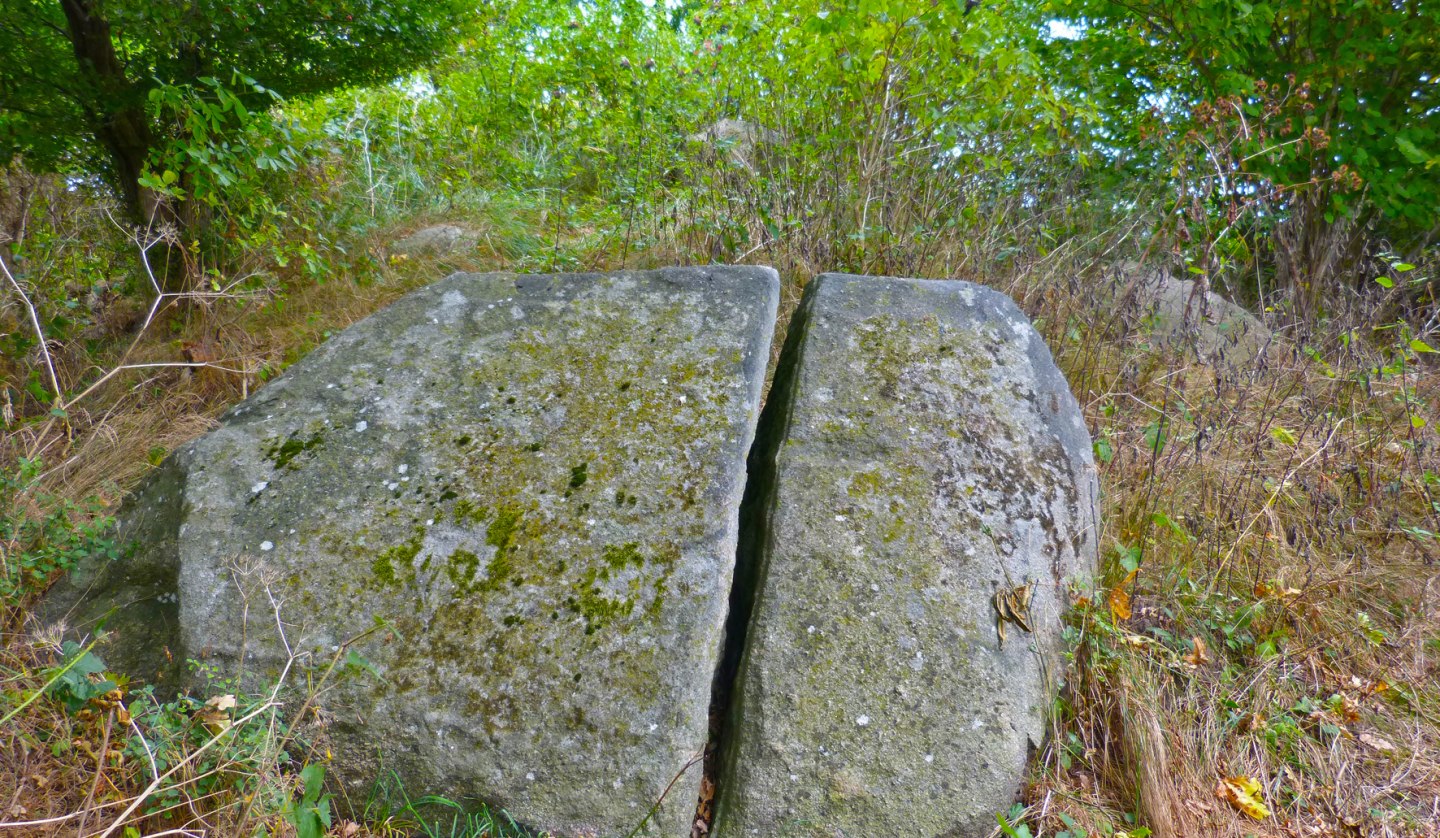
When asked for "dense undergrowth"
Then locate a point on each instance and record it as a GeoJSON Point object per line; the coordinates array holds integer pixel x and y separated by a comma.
{"type": "Point", "coordinates": [1267, 604]}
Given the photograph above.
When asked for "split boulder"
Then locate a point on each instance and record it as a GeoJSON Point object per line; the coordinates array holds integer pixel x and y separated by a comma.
{"type": "Point", "coordinates": [923, 478]}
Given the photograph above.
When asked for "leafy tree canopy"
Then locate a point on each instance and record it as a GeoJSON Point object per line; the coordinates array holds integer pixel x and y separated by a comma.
{"type": "Point", "coordinates": [1321, 91]}
{"type": "Point", "coordinates": [76, 75]}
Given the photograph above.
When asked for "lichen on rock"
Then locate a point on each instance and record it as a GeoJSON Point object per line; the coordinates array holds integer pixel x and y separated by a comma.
{"type": "Point", "coordinates": [533, 482]}
{"type": "Point", "coordinates": [919, 453]}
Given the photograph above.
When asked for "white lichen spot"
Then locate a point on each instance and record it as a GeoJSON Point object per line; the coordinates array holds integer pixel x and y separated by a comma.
{"type": "Point", "coordinates": [392, 486]}
{"type": "Point", "coordinates": [840, 518]}
{"type": "Point", "coordinates": [874, 587]}
{"type": "Point", "coordinates": [977, 724]}
{"type": "Point", "coordinates": [259, 487]}
{"type": "Point", "coordinates": [654, 727]}
{"type": "Point", "coordinates": [403, 468]}
{"type": "Point", "coordinates": [361, 426]}
{"type": "Point", "coordinates": [430, 523]}
{"type": "Point", "coordinates": [929, 757]}
{"type": "Point", "coordinates": [267, 546]}
{"type": "Point", "coordinates": [862, 721]}
{"type": "Point", "coordinates": [809, 629]}
{"type": "Point", "coordinates": [968, 295]}
{"type": "Point", "coordinates": [616, 785]}
{"type": "Point", "coordinates": [794, 778]}
{"type": "Point", "coordinates": [530, 775]}
{"type": "Point", "coordinates": [330, 386]}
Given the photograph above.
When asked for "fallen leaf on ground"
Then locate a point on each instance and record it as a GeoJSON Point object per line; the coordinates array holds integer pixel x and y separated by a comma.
{"type": "Point", "coordinates": [1199, 655]}
{"type": "Point", "coordinates": [1348, 709]}
{"type": "Point", "coordinates": [215, 715]}
{"type": "Point", "coordinates": [1120, 598]}
{"type": "Point", "coordinates": [1244, 794]}
{"type": "Point", "coordinates": [1380, 744]}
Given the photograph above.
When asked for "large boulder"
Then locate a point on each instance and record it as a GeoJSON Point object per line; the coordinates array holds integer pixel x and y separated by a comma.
{"type": "Point", "coordinates": [734, 140]}
{"type": "Point", "coordinates": [533, 480]}
{"type": "Point", "coordinates": [1187, 315]}
{"type": "Point", "coordinates": [438, 240]}
{"type": "Point", "coordinates": [920, 462]}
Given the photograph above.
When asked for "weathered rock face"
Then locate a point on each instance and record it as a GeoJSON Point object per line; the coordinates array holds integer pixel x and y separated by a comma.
{"type": "Point", "coordinates": [735, 139]}
{"type": "Point", "coordinates": [919, 454]}
{"type": "Point", "coordinates": [1193, 319]}
{"type": "Point", "coordinates": [535, 480]}
{"type": "Point", "coordinates": [439, 239]}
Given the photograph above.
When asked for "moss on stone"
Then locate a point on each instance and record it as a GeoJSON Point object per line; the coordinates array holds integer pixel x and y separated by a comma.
{"type": "Point", "coordinates": [501, 532]}
{"type": "Point", "coordinates": [282, 453]}
{"type": "Point", "coordinates": [394, 566]}
{"type": "Point", "coordinates": [461, 567]}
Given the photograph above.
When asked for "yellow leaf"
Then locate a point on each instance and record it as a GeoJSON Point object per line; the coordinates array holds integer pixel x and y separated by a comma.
{"type": "Point", "coordinates": [1200, 655]}
{"type": "Point", "coordinates": [215, 715]}
{"type": "Point", "coordinates": [1244, 794]}
{"type": "Point", "coordinates": [1347, 709]}
{"type": "Point", "coordinates": [1120, 598]}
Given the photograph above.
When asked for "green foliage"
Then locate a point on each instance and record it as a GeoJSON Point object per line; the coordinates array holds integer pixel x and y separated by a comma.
{"type": "Point", "coordinates": [1018, 829]}
{"type": "Point", "coordinates": [310, 815]}
{"type": "Point", "coordinates": [243, 761]}
{"type": "Point", "coordinates": [76, 77]}
{"type": "Point", "coordinates": [434, 816]}
{"type": "Point", "coordinates": [41, 534]}
{"type": "Point", "coordinates": [1325, 96]}
{"type": "Point", "coordinates": [80, 677]}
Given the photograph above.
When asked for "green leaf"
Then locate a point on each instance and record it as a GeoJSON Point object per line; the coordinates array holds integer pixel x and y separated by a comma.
{"type": "Point", "coordinates": [1421, 346]}
{"type": "Point", "coordinates": [1411, 151]}
{"type": "Point", "coordinates": [1283, 435]}
{"type": "Point", "coordinates": [356, 662]}
{"type": "Point", "coordinates": [1402, 267]}
{"type": "Point", "coordinates": [1385, 282]}
{"type": "Point", "coordinates": [313, 776]}
{"type": "Point", "coordinates": [1130, 558]}
{"type": "Point", "coordinates": [1155, 437]}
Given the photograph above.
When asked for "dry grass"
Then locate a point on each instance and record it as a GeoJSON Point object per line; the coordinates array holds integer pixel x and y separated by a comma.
{"type": "Point", "coordinates": [1270, 532]}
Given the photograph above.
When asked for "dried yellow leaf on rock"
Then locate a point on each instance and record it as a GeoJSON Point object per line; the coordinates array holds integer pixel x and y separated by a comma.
{"type": "Point", "coordinates": [1120, 598]}
{"type": "Point", "coordinates": [1244, 794]}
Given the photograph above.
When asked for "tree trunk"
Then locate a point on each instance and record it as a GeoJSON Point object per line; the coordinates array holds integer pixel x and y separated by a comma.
{"type": "Point", "coordinates": [116, 113]}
